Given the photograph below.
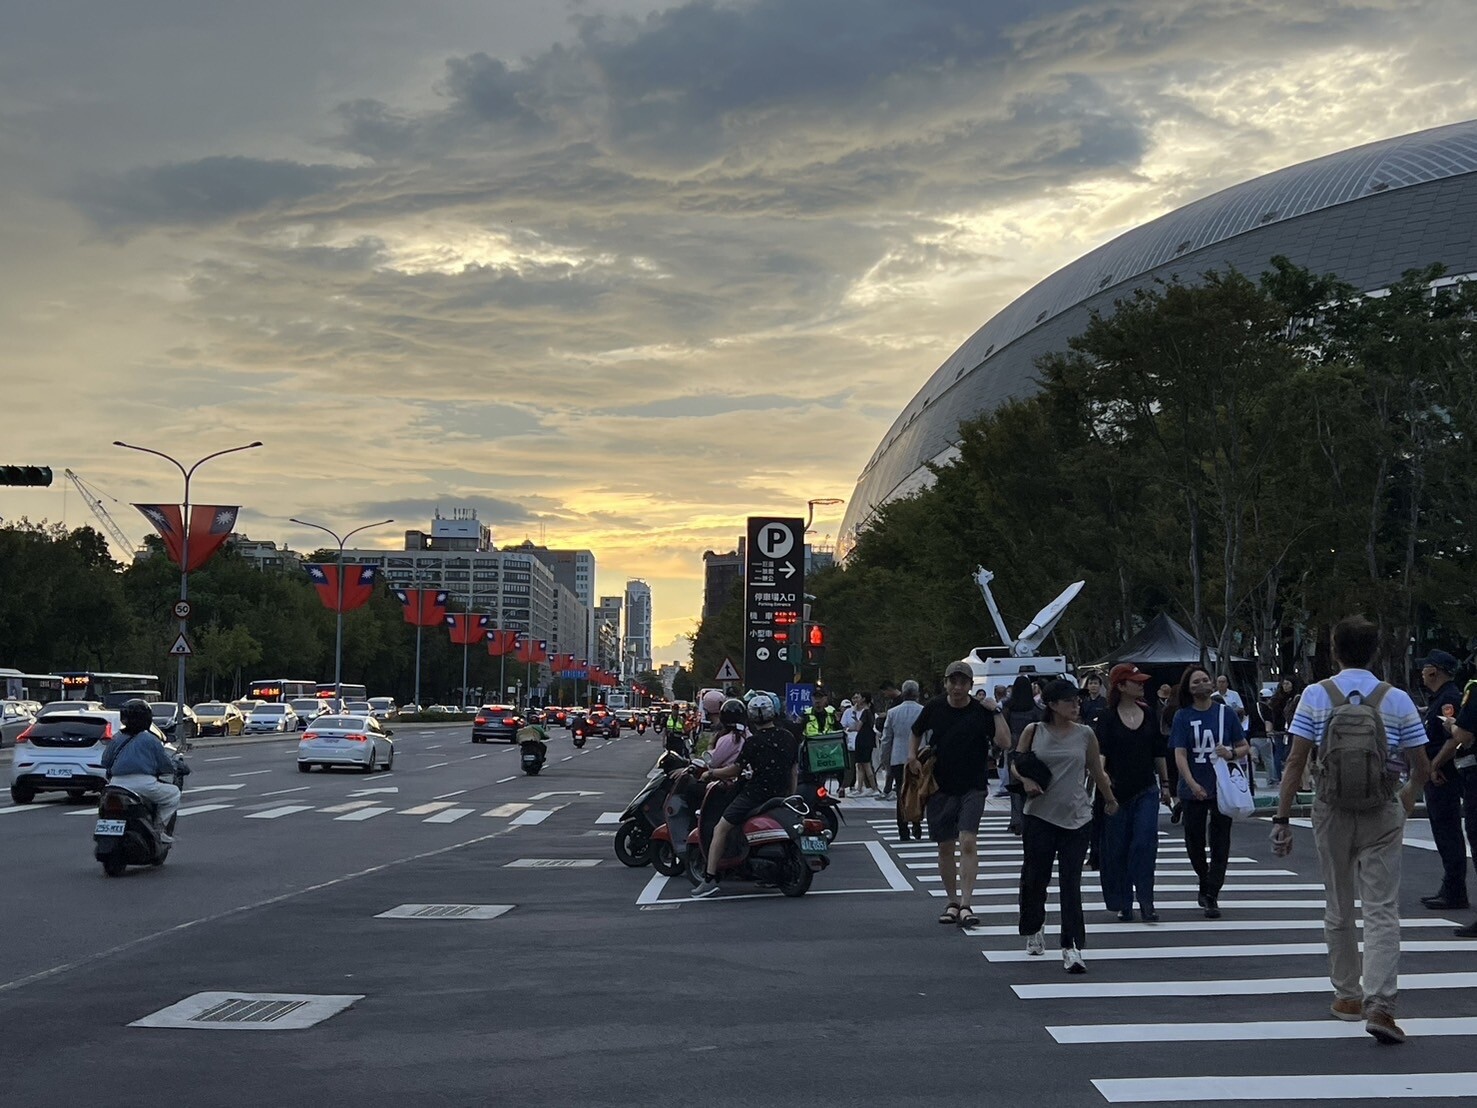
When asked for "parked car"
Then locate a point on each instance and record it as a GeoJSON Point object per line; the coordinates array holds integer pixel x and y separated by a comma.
{"type": "Point", "coordinates": [14, 718]}
{"type": "Point", "coordinates": [270, 717]}
{"type": "Point", "coordinates": [215, 717]}
{"type": "Point", "coordinates": [63, 753]}
{"type": "Point", "coordinates": [346, 740]}
{"type": "Point", "coordinates": [173, 728]}
{"type": "Point", "coordinates": [382, 707]}
{"type": "Point", "coordinates": [496, 723]}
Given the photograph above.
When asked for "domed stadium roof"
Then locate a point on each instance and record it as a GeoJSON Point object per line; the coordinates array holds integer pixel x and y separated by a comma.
{"type": "Point", "coordinates": [1366, 214]}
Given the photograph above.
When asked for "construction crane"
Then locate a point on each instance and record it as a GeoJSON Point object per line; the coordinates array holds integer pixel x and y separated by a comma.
{"type": "Point", "coordinates": [93, 497]}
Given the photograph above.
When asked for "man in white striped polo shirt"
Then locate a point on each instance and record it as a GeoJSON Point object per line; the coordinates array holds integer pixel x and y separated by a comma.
{"type": "Point", "coordinates": [1359, 851]}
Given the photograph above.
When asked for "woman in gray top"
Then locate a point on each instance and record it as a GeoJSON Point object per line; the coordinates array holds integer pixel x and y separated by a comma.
{"type": "Point", "coordinates": [1057, 818]}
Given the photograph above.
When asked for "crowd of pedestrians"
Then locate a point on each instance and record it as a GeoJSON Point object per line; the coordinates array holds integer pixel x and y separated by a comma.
{"type": "Point", "coordinates": [1089, 771]}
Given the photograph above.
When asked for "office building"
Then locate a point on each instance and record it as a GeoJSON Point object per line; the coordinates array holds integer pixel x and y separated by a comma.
{"type": "Point", "coordinates": [636, 646]}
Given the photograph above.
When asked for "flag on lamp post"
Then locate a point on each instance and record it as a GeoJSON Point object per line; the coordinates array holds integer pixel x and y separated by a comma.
{"type": "Point", "coordinates": [423, 607]}
{"type": "Point", "coordinates": [467, 627]}
{"type": "Point", "coordinates": [500, 643]}
{"type": "Point", "coordinates": [358, 584]}
{"type": "Point", "coordinates": [210, 526]}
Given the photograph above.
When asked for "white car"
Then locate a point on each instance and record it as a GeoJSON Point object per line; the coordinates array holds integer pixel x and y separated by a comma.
{"type": "Point", "coordinates": [382, 707]}
{"type": "Point", "coordinates": [265, 718]}
{"type": "Point", "coordinates": [308, 709]}
{"type": "Point", "coordinates": [63, 753]}
{"type": "Point", "coordinates": [347, 740]}
{"type": "Point", "coordinates": [14, 718]}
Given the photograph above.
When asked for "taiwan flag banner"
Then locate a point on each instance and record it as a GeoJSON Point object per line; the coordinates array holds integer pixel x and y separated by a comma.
{"type": "Point", "coordinates": [562, 662]}
{"type": "Point", "coordinates": [423, 607]}
{"type": "Point", "coordinates": [501, 642]}
{"type": "Point", "coordinates": [467, 627]}
{"type": "Point", "coordinates": [210, 526]}
{"type": "Point", "coordinates": [358, 584]}
{"type": "Point", "coordinates": [533, 650]}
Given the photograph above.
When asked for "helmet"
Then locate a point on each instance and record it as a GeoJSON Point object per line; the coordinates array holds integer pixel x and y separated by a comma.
{"type": "Point", "coordinates": [136, 716]}
{"type": "Point", "coordinates": [712, 701]}
{"type": "Point", "coordinates": [761, 710]}
{"type": "Point", "coordinates": [733, 712]}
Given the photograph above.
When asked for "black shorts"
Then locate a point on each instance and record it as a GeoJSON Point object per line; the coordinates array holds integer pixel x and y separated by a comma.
{"type": "Point", "coordinates": [949, 816]}
{"type": "Point", "coordinates": [741, 805]}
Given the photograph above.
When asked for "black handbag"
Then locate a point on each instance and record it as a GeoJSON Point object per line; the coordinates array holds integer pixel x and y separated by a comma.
{"type": "Point", "coordinates": [1027, 764]}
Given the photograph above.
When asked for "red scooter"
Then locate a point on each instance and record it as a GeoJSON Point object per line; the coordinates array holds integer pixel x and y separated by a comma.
{"type": "Point", "coordinates": [781, 846]}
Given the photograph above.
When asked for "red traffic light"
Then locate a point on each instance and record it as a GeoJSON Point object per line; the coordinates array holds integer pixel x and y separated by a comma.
{"type": "Point", "coordinates": [816, 635]}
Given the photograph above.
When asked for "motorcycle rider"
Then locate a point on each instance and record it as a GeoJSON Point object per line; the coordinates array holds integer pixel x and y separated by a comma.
{"type": "Point", "coordinates": [769, 754]}
{"type": "Point", "coordinates": [731, 734]}
{"type": "Point", "coordinates": [136, 759]}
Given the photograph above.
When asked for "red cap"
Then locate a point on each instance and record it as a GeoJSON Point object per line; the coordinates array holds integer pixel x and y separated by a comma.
{"type": "Point", "coordinates": [1126, 671]}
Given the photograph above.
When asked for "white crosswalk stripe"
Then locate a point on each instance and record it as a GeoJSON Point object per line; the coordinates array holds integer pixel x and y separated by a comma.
{"type": "Point", "coordinates": [363, 814]}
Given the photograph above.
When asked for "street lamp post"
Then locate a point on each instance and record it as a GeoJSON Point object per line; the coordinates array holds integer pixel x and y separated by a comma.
{"type": "Point", "coordinates": [338, 639]}
{"type": "Point", "coordinates": [184, 567]}
{"type": "Point", "coordinates": [812, 505]}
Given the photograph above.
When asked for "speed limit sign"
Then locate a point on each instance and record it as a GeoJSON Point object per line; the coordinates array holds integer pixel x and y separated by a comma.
{"type": "Point", "coordinates": [181, 609]}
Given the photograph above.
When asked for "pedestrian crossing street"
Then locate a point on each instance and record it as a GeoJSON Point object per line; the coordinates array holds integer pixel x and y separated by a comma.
{"type": "Point", "coordinates": [1256, 977]}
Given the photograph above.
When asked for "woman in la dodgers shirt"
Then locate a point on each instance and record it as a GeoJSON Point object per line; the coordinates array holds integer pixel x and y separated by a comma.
{"type": "Point", "coordinates": [1203, 731]}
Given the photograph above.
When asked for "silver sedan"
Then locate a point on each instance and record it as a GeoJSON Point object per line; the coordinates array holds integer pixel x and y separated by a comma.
{"type": "Point", "coordinates": [357, 741]}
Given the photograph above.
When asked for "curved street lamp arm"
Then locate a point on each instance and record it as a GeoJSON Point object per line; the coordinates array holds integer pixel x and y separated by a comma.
{"type": "Point", "coordinates": [320, 527]}
{"type": "Point", "coordinates": [156, 453]}
{"type": "Point", "coordinates": [356, 530]}
{"type": "Point", "coordinates": [217, 454]}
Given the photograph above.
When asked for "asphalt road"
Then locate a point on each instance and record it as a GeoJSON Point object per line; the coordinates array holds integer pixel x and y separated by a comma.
{"type": "Point", "coordinates": [606, 985]}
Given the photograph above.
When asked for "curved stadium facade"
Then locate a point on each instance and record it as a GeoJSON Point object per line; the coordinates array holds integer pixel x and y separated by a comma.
{"type": "Point", "coordinates": [1366, 214]}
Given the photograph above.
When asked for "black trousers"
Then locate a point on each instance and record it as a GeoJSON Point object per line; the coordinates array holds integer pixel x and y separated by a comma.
{"type": "Point", "coordinates": [1042, 844]}
{"type": "Point", "coordinates": [1444, 809]}
{"type": "Point", "coordinates": [1199, 814]}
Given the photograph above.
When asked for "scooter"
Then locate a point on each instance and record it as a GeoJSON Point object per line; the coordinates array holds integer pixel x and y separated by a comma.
{"type": "Point", "coordinates": [822, 805]}
{"type": "Point", "coordinates": [579, 739]}
{"type": "Point", "coordinates": [680, 811]}
{"type": "Point", "coordinates": [535, 753]}
{"type": "Point", "coordinates": [640, 727]}
{"type": "Point", "coordinates": [645, 814]}
{"type": "Point", "coordinates": [780, 845]}
{"type": "Point", "coordinates": [127, 832]}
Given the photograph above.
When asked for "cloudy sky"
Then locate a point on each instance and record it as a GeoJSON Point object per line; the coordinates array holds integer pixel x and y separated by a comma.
{"type": "Point", "coordinates": [616, 273]}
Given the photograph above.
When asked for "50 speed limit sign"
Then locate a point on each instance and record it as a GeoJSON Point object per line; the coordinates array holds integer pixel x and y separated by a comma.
{"type": "Point", "coordinates": [181, 609]}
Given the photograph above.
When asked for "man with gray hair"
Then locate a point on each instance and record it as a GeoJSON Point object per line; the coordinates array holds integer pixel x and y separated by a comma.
{"type": "Point", "coordinates": [896, 729]}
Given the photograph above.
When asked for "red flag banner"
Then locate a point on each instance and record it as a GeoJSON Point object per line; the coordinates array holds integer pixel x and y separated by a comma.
{"type": "Point", "coordinates": [210, 526]}
{"type": "Point", "coordinates": [423, 607]}
{"type": "Point", "coordinates": [501, 642]}
{"type": "Point", "coordinates": [358, 584]}
{"type": "Point", "coordinates": [467, 627]}
{"type": "Point", "coordinates": [170, 524]}
{"type": "Point", "coordinates": [562, 662]}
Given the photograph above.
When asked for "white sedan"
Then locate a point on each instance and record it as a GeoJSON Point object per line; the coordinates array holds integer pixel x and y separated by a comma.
{"type": "Point", "coordinates": [270, 717]}
{"type": "Point", "coordinates": [357, 741]}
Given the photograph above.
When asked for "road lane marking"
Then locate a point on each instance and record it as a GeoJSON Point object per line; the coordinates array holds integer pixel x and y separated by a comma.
{"type": "Point", "coordinates": [504, 810]}
{"type": "Point", "coordinates": [425, 809]}
{"type": "Point", "coordinates": [216, 788]}
{"type": "Point", "coordinates": [363, 814]}
{"type": "Point", "coordinates": [1002, 930]}
{"type": "Point", "coordinates": [894, 876]}
{"type": "Point", "coordinates": [434, 746]}
{"type": "Point", "coordinates": [1241, 986]}
{"type": "Point", "coordinates": [500, 781]}
{"type": "Point", "coordinates": [443, 796]}
{"type": "Point", "coordinates": [1251, 950]}
{"type": "Point", "coordinates": [567, 758]}
{"type": "Point", "coordinates": [251, 773]}
{"type": "Point", "coordinates": [1267, 1031]}
{"type": "Point", "coordinates": [1330, 1086]}
{"type": "Point", "coordinates": [1252, 887]}
{"type": "Point", "coordinates": [278, 813]}
{"type": "Point", "coordinates": [438, 765]}
{"type": "Point", "coordinates": [198, 808]}
{"type": "Point", "coordinates": [474, 757]}
{"type": "Point", "coordinates": [533, 816]}
{"type": "Point", "coordinates": [284, 792]}
{"type": "Point", "coordinates": [227, 758]}
{"type": "Point", "coordinates": [352, 806]}
{"type": "Point", "coordinates": [21, 808]}
{"type": "Point", "coordinates": [451, 815]}
{"type": "Point", "coordinates": [607, 818]}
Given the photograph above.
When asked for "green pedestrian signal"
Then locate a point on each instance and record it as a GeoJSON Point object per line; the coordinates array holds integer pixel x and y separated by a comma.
{"type": "Point", "coordinates": [33, 476]}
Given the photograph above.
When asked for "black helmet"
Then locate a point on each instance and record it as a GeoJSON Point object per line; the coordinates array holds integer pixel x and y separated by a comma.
{"type": "Point", "coordinates": [136, 716]}
{"type": "Point", "coordinates": [732, 713]}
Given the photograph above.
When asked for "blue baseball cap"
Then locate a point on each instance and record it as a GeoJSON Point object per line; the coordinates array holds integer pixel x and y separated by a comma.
{"type": "Point", "coordinates": [1441, 660]}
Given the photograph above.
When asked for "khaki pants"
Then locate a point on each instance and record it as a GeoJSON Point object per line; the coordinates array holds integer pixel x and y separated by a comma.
{"type": "Point", "coordinates": [1360, 856]}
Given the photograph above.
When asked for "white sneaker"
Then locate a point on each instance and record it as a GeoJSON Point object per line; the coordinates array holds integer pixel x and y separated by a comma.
{"type": "Point", "coordinates": [1036, 944]}
{"type": "Point", "coordinates": [1072, 960]}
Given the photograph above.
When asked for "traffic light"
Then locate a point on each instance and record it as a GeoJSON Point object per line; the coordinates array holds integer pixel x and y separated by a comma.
{"type": "Point", "coordinates": [36, 476]}
{"type": "Point", "coordinates": [815, 644]}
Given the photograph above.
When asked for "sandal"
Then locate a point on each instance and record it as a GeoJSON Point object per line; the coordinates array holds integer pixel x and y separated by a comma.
{"type": "Point", "coordinates": [950, 914]}
{"type": "Point", "coordinates": [967, 918]}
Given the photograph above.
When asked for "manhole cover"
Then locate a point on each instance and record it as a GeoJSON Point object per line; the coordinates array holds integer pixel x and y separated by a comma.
{"type": "Point", "coordinates": [446, 911]}
{"type": "Point", "coordinates": [553, 863]}
{"type": "Point", "coordinates": [249, 1011]}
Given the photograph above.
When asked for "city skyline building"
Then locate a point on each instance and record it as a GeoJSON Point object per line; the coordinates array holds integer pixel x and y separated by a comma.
{"type": "Point", "coordinates": [636, 645]}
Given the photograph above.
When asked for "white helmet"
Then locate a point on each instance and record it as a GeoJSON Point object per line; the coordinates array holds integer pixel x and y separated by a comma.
{"type": "Point", "coordinates": [763, 709]}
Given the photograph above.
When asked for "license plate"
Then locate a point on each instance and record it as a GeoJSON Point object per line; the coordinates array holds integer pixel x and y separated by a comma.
{"type": "Point", "coordinates": [329, 740]}
{"type": "Point", "coordinates": [109, 827]}
{"type": "Point", "coordinates": [813, 844]}
{"type": "Point", "coordinates": [58, 771]}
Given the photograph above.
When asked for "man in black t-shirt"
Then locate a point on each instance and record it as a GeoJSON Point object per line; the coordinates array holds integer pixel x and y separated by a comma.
{"type": "Point", "coordinates": [1444, 790]}
{"type": "Point", "coordinates": [965, 735]}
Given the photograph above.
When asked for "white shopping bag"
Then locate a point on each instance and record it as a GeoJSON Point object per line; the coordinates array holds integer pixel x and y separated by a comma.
{"type": "Point", "coordinates": [1232, 791]}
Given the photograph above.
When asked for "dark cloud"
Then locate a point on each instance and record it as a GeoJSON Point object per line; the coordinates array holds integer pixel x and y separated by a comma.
{"type": "Point", "coordinates": [198, 192]}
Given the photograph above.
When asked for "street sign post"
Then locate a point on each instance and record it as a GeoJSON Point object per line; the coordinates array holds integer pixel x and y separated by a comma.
{"type": "Point", "coordinates": [774, 598]}
{"type": "Point", "coordinates": [798, 699]}
{"type": "Point", "coordinates": [728, 673]}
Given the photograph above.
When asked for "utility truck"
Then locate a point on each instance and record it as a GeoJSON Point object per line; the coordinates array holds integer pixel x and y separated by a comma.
{"type": "Point", "coordinates": [1001, 665]}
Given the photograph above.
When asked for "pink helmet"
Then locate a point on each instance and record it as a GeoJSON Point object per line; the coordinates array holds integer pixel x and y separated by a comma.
{"type": "Point", "coordinates": [712, 701]}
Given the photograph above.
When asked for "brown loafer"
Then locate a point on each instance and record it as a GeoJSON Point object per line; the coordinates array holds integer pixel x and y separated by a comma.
{"type": "Point", "coordinates": [1347, 1009]}
{"type": "Point", "coordinates": [1383, 1027]}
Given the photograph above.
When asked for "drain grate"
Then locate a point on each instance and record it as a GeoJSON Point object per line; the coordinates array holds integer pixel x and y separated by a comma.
{"type": "Point", "coordinates": [553, 863]}
{"type": "Point", "coordinates": [241, 1010]}
{"type": "Point", "coordinates": [249, 1011]}
{"type": "Point", "coordinates": [446, 911]}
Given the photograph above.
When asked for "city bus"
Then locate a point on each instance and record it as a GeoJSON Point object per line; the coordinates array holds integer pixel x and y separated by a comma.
{"type": "Point", "coordinates": [345, 691]}
{"type": "Point", "coordinates": [110, 688]}
{"type": "Point", "coordinates": [280, 689]}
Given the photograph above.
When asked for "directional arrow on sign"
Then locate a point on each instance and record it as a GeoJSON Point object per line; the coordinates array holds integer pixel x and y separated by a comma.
{"type": "Point", "coordinates": [371, 792]}
{"type": "Point", "coordinates": [788, 569]}
{"type": "Point", "coordinates": [573, 792]}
